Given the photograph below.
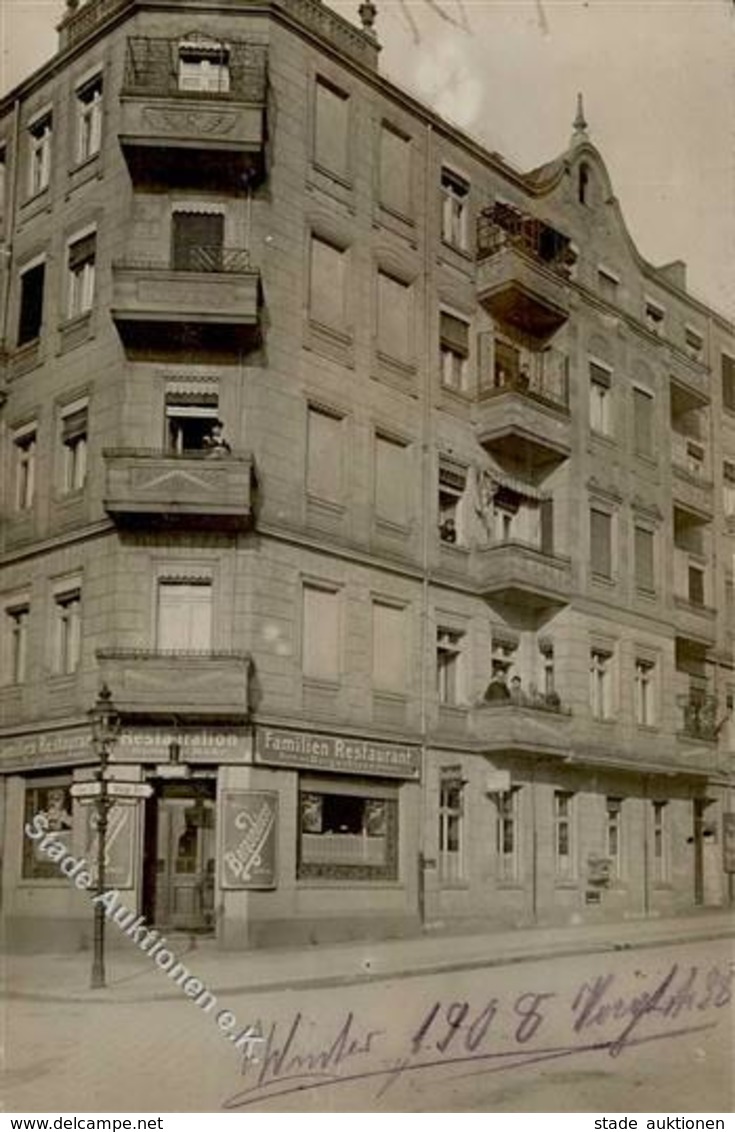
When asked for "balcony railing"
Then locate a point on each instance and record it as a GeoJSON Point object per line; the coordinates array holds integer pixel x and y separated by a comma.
{"type": "Point", "coordinates": [501, 226]}
{"type": "Point", "coordinates": [698, 716]}
{"type": "Point", "coordinates": [546, 702]}
{"type": "Point", "coordinates": [152, 69]}
{"type": "Point", "coordinates": [539, 375]}
{"type": "Point", "coordinates": [196, 257]}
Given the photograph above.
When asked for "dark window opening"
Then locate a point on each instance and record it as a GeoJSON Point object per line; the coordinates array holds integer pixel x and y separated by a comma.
{"type": "Point", "coordinates": [31, 303]}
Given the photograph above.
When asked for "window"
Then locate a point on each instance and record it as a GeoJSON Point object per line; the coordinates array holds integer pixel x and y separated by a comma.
{"type": "Point", "coordinates": [395, 318]}
{"type": "Point", "coordinates": [507, 834]}
{"type": "Point", "coordinates": [660, 842]}
{"type": "Point", "coordinates": [643, 422]}
{"type": "Point", "coordinates": [331, 128]}
{"type": "Point", "coordinates": [320, 643]}
{"type": "Point", "coordinates": [601, 543]}
{"type": "Point", "coordinates": [728, 474]}
{"type": "Point", "coordinates": [3, 182]}
{"type": "Point", "coordinates": [81, 266]}
{"type": "Point", "coordinates": [451, 820]}
{"type": "Point", "coordinates": [89, 119]}
{"type": "Point", "coordinates": [600, 399]}
{"type": "Point", "coordinates": [31, 303]}
{"type": "Point", "coordinates": [455, 202]}
{"type": "Point", "coordinates": [197, 240]}
{"type": "Point", "coordinates": [644, 559]}
{"type": "Point", "coordinates": [67, 631]}
{"type": "Point", "coordinates": [614, 835]}
{"type": "Point", "coordinates": [608, 285]}
{"type": "Point", "coordinates": [391, 471]}
{"type": "Point", "coordinates": [548, 672]}
{"type": "Point", "coordinates": [452, 483]}
{"type": "Point", "coordinates": [728, 382]}
{"type": "Point", "coordinates": [645, 693]}
{"type": "Point", "coordinates": [191, 412]}
{"type": "Point", "coordinates": [449, 666]}
{"type": "Point", "coordinates": [184, 615]}
{"type": "Point", "coordinates": [563, 835]}
{"type": "Point", "coordinates": [583, 181]}
{"type": "Point", "coordinates": [327, 283]}
{"type": "Point", "coordinates": [695, 459]}
{"type": "Point", "coordinates": [502, 658]}
{"type": "Point", "coordinates": [601, 699]}
{"type": "Point", "coordinates": [204, 66]}
{"type": "Point", "coordinates": [74, 447]}
{"type": "Point", "coordinates": [348, 830]}
{"type": "Point", "coordinates": [395, 170]}
{"type": "Point", "coordinates": [52, 798]}
{"type": "Point", "coordinates": [654, 316]}
{"type": "Point", "coordinates": [24, 451]}
{"type": "Point", "coordinates": [454, 351]}
{"type": "Point", "coordinates": [694, 344]}
{"type": "Point", "coordinates": [324, 455]}
{"type": "Point", "coordinates": [389, 647]}
{"type": "Point", "coordinates": [39, 169]}
{"type": "Point", "coordinates": [17, 617]}
{"type": "Point", "coordinates": [696, 585]}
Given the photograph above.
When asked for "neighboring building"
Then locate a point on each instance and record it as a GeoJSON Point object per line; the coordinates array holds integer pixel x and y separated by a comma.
{"type": "Point", "coordinates": [443, 629]}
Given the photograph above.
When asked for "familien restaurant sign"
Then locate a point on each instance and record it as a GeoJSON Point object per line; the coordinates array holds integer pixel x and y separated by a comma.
{"type": "Point", "coordinates": [336, 753]}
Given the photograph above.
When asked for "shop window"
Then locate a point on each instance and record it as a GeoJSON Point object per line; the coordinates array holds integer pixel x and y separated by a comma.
{"type": "Point", "coordinates": [564, 835]}
{"type": "Point", "coordinates": [324, 455]}
{"type": "Point", "coordinates": [728, 382]}
{"type": "Point", "coordinates": [644, 543]}
{"type": "Point", "coordinates": [30, 318]}
{"type": "Point", "coordinates": [81, 272]}
{"type": "Point", "coordinates": [507, 843]}
{"type": "Point", "coordinates": [600, 400]}
{"type": "Point", "coordinates": [67, 631]}
{"type": "Point", "coordinates": [320, 633]}
{"type": "Point", "coordinates": [455, 207]}
{"type": "Point", "coordinates": [24, 456]}
{"type": "Point", "coordinates": [454, 351]}
{"type": "Point", "coordinates": [645, 693]}
{"type": "Point", "coordinates": [391, 487]}
{"type": "Point", "coordinates": [389, 648]}
{"type": "Point", "coordinates": [327, 284]}
{"type": "Point", "coordinates": [452, 484]}
{"type": "Point", "coordinates": [395, 318]}
{"type": "Point", "coordinates": [348, 830]}
{"type": "Point", "coordinates": [643, 422]}
{"type": "Point", "coordinates": [74, 447]}
{"type": "Point", "coordinates": [204, 67]}
{"type": "Point", "coordinates": [16, 618]}
{"type": "Point", "coordinates": [52, 799]}
{"type": "Point", "coordinates": [184, 615]}
{"type": "Point", "coordinates": [451, 825]}
{"type": "Point", "coordinates": [601, 683]}
{"type": "Point", "coordinates": [601, 543]}
{"type": "Point", "coordinates": [197, 240]}
{"type": "Point", "coordinates": [89, 119]}
{"type": "Point", "coordinates": [660, 841]}
{"type": "Point", "coordinates": [614, 835]}
{"type": "Point", "coordinates": [449, 646]}
{"type": "Point", "coordinates": [331, 128]}
{"type": "Point", "coordinates": [395, 170]}
{"type": "Point", "coordinates": [192, 412]}
{"type": "Point", "coordinates": [40, 135]}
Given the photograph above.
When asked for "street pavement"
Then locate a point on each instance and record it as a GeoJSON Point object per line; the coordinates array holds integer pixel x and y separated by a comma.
{"type": "Point", "coordinates": [613, 1022]}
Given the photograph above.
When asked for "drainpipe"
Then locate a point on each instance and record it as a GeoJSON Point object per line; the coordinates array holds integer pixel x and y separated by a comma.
{"type": "Point", "coordinates": [534, 848]}
{"type": "Point", "coordinates": [646, 852]}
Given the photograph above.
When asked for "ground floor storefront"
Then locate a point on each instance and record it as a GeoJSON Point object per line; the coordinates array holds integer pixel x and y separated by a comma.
{"type": "Point", "coordinates": [275, 835]}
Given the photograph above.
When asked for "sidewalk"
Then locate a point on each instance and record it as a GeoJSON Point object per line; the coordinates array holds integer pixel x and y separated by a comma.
{"type": "Point", "coordinates": [133, 977]}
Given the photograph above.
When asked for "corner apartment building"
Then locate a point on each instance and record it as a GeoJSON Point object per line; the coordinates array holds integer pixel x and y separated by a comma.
{"type": "Point", "coordinates": [442, 631]}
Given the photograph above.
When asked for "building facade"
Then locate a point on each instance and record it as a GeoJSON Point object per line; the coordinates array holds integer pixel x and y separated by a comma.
{"type": "Point", "coordinates": [389, 489]}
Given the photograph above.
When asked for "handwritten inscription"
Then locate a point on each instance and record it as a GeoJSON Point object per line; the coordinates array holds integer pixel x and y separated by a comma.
{"type": "Point", "coordinates": [607, 1014]}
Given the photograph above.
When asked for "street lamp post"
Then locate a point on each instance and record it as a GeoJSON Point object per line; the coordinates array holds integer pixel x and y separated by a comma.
{"type": "Point", "coordinates": [105, 726]}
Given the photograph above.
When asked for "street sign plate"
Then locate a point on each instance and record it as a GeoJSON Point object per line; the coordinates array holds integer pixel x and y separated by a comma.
{"type": "Point", "coordinates": [86, 790]}
{"type": "Point", "coordinates": [129, 789]}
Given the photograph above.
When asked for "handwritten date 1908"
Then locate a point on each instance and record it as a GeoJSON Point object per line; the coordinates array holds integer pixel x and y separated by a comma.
{"type": "Point", "coordinates": [455, 1017]}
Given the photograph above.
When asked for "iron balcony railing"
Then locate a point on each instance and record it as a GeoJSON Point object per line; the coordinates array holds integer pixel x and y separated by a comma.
{"type": "Point", "coordinates": [168, 654]}
{"type": "Point", "coordinates": [502, 226]}
{"type": "Point", "coordinates": [171, 454]}
{"type": "Point", "coordinates": [196, 257]}
{"type": "Point", "coordinates": [698, 716]}
{"type": "Point", "coordinates": [153, 67]}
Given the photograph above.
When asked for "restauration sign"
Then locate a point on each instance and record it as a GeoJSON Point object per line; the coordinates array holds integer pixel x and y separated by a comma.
{"type": "Point", "coordinates": [250, 825]}
{"type": "Point", "coordinates": [336, 753]}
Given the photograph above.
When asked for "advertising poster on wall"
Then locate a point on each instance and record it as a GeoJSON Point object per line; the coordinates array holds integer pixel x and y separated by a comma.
{"type": "Point", "coordinates": [249, 825]}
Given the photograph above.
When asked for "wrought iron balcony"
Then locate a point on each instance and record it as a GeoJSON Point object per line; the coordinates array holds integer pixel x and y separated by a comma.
{"type": "Point", "coordinates": [698, 716]}
{"type": "Point", "coordinates": [182, 683]}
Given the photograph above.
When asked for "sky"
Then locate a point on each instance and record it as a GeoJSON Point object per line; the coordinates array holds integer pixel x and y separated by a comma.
{"type": "Point", "coordinates": [658, 78]}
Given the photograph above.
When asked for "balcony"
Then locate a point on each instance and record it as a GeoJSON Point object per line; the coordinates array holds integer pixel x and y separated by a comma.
{"type": "Point", "coordinates": [191, 684]}
{"type": "Point", "coordinates": [523, 266]}
{"type": "Point", "coordinates": [193, 111]}
{"type": "Point", "coordinates": [692, 486]}
{"type": "Point", "coordinates": [523, 405]}
{"type": "Point", "coordinates": [697, 717]}
{"type": "Point", "coordinates": [144, 487]}
{"type": "Point", "coordinates": [529, 723]}
{"type": "Point", "coordinates": [523, 574]}
{"type": "Point", "coordinates": [211, 303]}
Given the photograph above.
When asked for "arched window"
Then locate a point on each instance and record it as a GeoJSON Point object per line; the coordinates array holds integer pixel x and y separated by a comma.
{"type": "Point", "coordinates": [583, 184]}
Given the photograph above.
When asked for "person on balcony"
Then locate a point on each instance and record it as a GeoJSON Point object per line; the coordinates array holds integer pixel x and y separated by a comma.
{"type": "Point", "coordinates": [497, 689]}
{"type": "Point", "coordinates": [215, 444]}
{"type": "Point", "coordinates": [516, 690]}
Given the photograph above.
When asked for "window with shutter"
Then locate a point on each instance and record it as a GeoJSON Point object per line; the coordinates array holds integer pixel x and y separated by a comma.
{"type": "Point", "coordinates": [184, 615]}
{"type": "Point", "coordinates": [454, 349]}
{"type": "Point", "coordinates": [74, 447]}
{"type": "Point", "coordinates": [391, 466]}
{"type": "Point", "coordinates": [643, 422]}
{"type": "Point", "coordinates": [644, 566]}
{"type": "Point", "coordinates": [601, 543]}
{"type": "Point", "coordinates": [395, 170]}
{"type": "Point", "coordinates": [395, 324]}
{"type": "Point", "coordinates": [81, 273]}
{"type": "Point", "coordinates": [320, 634]}
{"type": "Point", "coordinates": [89, 119]}
{"type": "Point", "coordinates": [324, 455]}
{"type": "Point", "coordinates": [331, 128]}
{"type": "Point", "coordinates": [389, 647]}
{"type": "Point", "coordinates": [327, 283]}
{"type": "Point", "coordinates": [600, 395]}
{"type": "Point", "coordinates": [696, 585]}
